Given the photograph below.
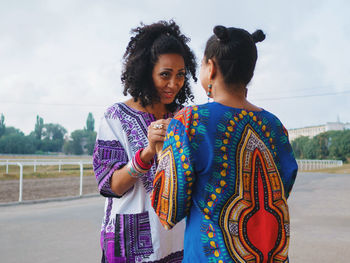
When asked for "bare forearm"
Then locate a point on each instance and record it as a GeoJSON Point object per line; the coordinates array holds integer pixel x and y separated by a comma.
{"type": "Point", "coordinates": [122, 180]}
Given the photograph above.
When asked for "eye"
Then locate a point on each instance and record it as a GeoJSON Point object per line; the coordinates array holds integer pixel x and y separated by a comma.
{"type": "Point", "coordinates": [165, 74]}
{"type": "Point", "coordinates": [181, 74]}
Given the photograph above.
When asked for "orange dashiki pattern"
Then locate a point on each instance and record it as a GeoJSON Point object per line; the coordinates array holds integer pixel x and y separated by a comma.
{"type": "Point", "coordinates": [229, 172]}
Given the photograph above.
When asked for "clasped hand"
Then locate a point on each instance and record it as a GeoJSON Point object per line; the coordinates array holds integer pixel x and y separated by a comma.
{"type": "Point", "coordinates": [156, 134]}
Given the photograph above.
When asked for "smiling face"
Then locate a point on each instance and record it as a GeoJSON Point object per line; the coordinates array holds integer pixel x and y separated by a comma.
{"type": "Point", "coordinates": [169, 76]}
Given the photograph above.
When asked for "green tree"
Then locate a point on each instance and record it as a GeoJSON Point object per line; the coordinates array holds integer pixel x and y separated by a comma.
{"type": "Point", "coordinates": [90, 122]}
{"type": "Point", "coordinates": [327, 145]}
{"type": "Point", "coordinates": [53, 131]}
{"type": "Point", "coordinates": [12, 130]}
{"type": "Point", "coordinates": [68, 147]}
{"type": "Point", "coordinates": [39, 125]}
{"type": "Point", "coordinates": [90, 141]}
{"type": "Point", "coordinates": [52, 137]}
{"type": "Point", "coordinates": [299, 147]}
{"type": "Point", "coordinates": [339, 145]}
{"type": "Point", "coordinates": [82, 141]}
{"type": "Point", "coordinates": [320, 143]}
{"type": "Point", "coordinates": [2, 125]}
{"type": "Point", "coordinates": [310, 149]}
{"type": "Point", "coordinates": [77, 141]}
{"type": "Point", "coordinates": [17, 143]}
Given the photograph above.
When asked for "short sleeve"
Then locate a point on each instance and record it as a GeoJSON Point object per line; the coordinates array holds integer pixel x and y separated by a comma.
{"type": "Point", "coordinates": [109, 156]}
{"type": "Point", "coordinates": [172, 187]}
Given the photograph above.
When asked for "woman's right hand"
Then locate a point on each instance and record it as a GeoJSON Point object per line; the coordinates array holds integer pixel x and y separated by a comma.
{"type": "Point", "coordinates": [156, 133]}
{"type": "Point", "coordinates": [156, 137]}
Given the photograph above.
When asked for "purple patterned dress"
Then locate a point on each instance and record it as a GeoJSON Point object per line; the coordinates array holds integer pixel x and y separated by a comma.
{"type": "Point", "coordinates": [131, 231]}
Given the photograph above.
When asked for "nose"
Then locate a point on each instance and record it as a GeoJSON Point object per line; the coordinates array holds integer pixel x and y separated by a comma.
{"type": "Point", "coordinates": [173, 82]}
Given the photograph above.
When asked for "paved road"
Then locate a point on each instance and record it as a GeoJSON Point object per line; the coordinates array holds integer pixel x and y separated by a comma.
{"type": "Point", "coordinates": [69, 231]}
{"type": "Point", "coordinates": [52, 232]}
{"type": "Point", "coordinates": [320, 218]}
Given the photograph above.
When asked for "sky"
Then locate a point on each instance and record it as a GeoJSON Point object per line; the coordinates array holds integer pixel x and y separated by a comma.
{"type": "Point", "coordinates": [61, 59]}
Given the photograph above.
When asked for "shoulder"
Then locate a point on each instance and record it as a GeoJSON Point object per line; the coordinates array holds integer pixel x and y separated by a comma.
{"type": "Point", "coordinates": [184, 114]}
{"type": "Point", "coordinates": [112, 111]}
{"type": "Point", "coordinates": [188, 112]}
{"type": "Point", "coordinates": [120, 110]}
{"type": "Point", "coordinates": [276, 123]}
{"type": "Point", "coordinates": [191, 119]}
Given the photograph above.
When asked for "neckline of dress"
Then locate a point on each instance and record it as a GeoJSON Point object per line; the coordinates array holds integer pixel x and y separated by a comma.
{"type": "Point", "coordinates": [234, 108]}
{"type": "Point", "coordinates": [145, 112]}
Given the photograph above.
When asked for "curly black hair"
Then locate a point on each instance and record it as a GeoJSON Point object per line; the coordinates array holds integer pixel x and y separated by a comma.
{"type": "Point", "coordinates": [142, 52]}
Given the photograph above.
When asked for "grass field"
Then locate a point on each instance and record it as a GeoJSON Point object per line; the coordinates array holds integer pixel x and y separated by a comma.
{"type": "Point", "coordinates": [44, 171]}
{"type": "Point", "coordinates": [345, 169]}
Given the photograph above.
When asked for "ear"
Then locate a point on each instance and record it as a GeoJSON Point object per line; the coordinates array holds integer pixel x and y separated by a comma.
{"type": "Point", "coordinates": [212, 69]}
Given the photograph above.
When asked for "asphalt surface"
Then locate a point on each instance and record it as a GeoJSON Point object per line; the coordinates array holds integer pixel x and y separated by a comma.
{"type": "Point", "coordinates": [320, 218]}
{"type": "Point", "coordinates": [68, 231]}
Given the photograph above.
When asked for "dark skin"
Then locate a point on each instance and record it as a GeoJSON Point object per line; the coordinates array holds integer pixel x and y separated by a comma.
{"type": "Point", "coordinates": [168, 77]}
{"type": "Point", "coordinates": [232, 95]}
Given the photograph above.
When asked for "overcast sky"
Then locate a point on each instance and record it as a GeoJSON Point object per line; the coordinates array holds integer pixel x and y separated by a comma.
{"type": "Point", "coordinates": [61, 59]}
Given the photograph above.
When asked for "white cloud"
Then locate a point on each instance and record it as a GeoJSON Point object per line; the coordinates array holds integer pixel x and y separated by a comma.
{"type": "Point", "coordinates": [65, 53]}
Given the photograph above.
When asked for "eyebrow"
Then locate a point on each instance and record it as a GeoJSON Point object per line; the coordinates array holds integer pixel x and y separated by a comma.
{"type": "Point", "coordinates": [170, 69]}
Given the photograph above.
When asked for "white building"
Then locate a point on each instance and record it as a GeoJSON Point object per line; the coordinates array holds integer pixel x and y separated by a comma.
{"type": "Point", "coordinates": [315, 130]}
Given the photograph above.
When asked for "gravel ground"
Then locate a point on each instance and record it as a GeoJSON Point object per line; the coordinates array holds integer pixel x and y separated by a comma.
{"type": "Point", "coordinates": [46, 188]}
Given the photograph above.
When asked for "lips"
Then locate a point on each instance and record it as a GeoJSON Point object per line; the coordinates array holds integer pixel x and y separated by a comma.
{"type": "Point", "coordinates": [168, 94]}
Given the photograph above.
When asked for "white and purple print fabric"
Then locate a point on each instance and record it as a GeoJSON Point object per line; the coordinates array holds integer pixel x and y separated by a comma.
{"type": "Point", "coordinates": [131, 231]}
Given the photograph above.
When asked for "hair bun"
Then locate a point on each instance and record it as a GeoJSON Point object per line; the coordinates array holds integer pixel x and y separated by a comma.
{"type": "Point", "coordinates": [221, 33]}
{"type": "Point", "coordinates": [258, 36]}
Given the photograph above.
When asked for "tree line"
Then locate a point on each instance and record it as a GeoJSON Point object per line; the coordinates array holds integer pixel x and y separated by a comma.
{"type": "Point", "coordinates": [51, 138]}
{"type": "Point", "coordinates": [47, 138]}
{"type": "Point", "coordinates": [328, 145]}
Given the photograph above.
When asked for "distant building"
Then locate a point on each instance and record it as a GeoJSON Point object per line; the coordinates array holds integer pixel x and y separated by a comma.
{"type": "Point", "coordinates": [312, 131]}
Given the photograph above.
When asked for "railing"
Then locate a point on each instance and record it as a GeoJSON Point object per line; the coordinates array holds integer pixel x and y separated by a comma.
{"type": "Point", "coordinates": [36, 162]}
{"type": "Point", "coordinates": [307, 165]}
{"type": "Point", "coordinates": [304, 165]}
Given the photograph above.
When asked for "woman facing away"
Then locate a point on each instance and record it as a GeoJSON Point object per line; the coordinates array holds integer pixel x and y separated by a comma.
{"type": "Point", "coordinates": [158, 65]}
{"type": "Point", "coordinates": [227, 165]}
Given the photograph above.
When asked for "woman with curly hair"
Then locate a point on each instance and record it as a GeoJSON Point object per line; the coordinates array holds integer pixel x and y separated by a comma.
{"type": "Point", "coordinates": [158, 65]}
{"type": "Point", "coordinates": [227, 166]}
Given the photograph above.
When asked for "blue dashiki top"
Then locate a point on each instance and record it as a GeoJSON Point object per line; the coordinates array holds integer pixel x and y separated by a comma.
{"type": "Point", "coordinates": [229, 171]}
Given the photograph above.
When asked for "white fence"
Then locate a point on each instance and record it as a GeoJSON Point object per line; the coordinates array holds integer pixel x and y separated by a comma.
{"type": "Point", "coordinates": [37, 162]}
{"type": "Point", "coordinates": [304, 165]}
{"type": "Point", "coordinates": [307, 165]}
